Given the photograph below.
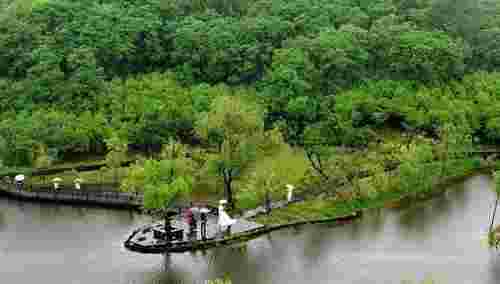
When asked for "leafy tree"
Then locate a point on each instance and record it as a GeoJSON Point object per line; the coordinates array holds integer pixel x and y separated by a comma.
{"type": "Point", "coordinates": [117, 154]}
{"type": "Point", "coordinates": [416, 171]}
{"type": "Point", "coordinates": [17, 35]}
{"type": "Point", "coordinates": [17, 136]}
{"type": "Point", "coordinates": [456, 17]}
{"type": "Point", "coordinates": [339, 56]}
{"type": "Point", "coordinates": [486, 50]}
{"type": "Point", "coordinates": [167, 181]}
{"type": "Point", "coordinates": [319, 156]}
{"type": "Point", "coordinates": [241, 125]}
{"type": "Point", "coordinates": [163, 181]}
{"type": "Point", "coordinates": [287, 90]}
{"type": "Point", "coordinates": [134, 181]}
{"type": "Point", "coordinates": [94, 127]}
{"type": "Point", "coordinates": [151, 109]}
{"type": "Point", "coordinates": [42, 158]}
{"type": "Point", "coordinates": [456, 143]}
{"type": "Point", "coordinates": [427, 56]}
{"type": "Point", "coordinates": [318, 141]}
{"type": "Point", "coordinates": [160, 197]}
{"type": "Point", "coordinates": [279, 165]}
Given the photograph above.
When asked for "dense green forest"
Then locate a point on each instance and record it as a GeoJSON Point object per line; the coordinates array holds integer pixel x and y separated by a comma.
{"type": "Point", "coordinates": [74, 74]}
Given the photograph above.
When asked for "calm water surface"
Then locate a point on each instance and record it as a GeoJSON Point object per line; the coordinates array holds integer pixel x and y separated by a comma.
{"type": "Point", "coordinates": [443, 238]}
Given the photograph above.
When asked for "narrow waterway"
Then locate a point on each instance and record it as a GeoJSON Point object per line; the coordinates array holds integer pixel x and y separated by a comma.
{"type": "Point", "coordinates": [443, 238]}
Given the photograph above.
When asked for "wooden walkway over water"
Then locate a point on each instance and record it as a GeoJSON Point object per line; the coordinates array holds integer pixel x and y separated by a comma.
{"type": "Point", "coordinates": [104, 198]}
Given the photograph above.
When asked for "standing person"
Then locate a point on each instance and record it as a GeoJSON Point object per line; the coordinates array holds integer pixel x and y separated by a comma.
{"type": "Point", "coordinates": [203, 227]}
{"type": "Point", "coordinates": [224, 219]}
{"type": "Point", "coordinates": [195, 216]}
{"type": "Point", "coordinates": [189, 220]}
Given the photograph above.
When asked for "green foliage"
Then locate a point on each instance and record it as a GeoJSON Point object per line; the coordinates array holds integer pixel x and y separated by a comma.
{"type": "Point", "coordinates": [417, 172]}
{"type": "Point", "coordinates": [17, 140]}
{"type": "Point", "coordinates": [241, 127]}
{"type": "Point", "coordinates": [426, 280]}
{"type": "Point", "coordinates": [150, 109]}
{"type": "Point", "coordinates": [470, 103]}
{"type": "Point", "coordinates": [428, 56]}
{"type": "Point", "coordinates": [318, 150]}
{"type": "Point", "coordinates": [42, 159]}
{"type": "Point", "coordinates": [135, 179]}
{"type": "Point", "coordinates": [279, 165]}
{"type": "Point", "coordinates": [496, 179]}
{"type": "Point", "coordinates": [163, 181]}
{"type": "Point", "coordinates": [117, 154]}
{"type": "Point", "coordinates": [163, 195]}
{"type": "Point", "coordinates": [225, 280]}
{"type": "Point", "coordinates": [74, 72]}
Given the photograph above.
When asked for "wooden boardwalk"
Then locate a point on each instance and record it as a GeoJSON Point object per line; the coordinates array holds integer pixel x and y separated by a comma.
{"type": "Point", "coordinates": [105, 198]}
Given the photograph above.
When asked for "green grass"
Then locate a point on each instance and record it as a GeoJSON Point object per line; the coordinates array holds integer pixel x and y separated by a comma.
{"type": "Point", "coordinates": [90, 159]}
{"type": "Point", "coordinates": [318, 209]}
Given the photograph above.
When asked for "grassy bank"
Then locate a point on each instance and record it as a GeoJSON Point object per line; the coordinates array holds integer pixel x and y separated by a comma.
{"type": "Point", "coordinates": [328, 208]}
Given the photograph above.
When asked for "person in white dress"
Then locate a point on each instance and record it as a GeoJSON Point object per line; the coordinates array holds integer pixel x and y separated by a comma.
{"type": "Point", "coordinates": [224, 220]}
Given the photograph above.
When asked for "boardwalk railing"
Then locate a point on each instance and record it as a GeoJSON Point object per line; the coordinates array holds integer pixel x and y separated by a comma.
{"type": "Point", "coordinates": [109, 198]}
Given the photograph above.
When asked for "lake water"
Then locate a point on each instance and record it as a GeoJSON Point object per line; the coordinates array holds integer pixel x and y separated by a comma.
{"type": "Point", "coordinates": [443, 239]}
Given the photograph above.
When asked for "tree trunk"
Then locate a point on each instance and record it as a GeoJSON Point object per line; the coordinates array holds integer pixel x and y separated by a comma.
{"type": "Point", "coordinates": [267, 202]}
{"type": "Point", "coordinates": [317, 165]}
{"type": "Point", "coordinates": [227, 188]}
{"type": "Point", "coordinates": [115, 175]}
{"type": "Point", "coordinates": [494, 213]}
{"type": "Point", "coordinates": [229, 195]}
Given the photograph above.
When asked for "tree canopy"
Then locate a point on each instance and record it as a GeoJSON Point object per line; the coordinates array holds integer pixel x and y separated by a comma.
{"type": "Point", "coordinates": [75, 73]}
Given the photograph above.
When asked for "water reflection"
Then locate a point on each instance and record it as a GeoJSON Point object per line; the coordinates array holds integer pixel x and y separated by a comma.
{"type": "Point", "coordinates": [169, 273]}
{"type": "Point", "coordinates": [47, 214]}
{"type": "Point", "coordinates": [3, 222]}
{"type": "Point", "coordinates": [494, 266]}
{"type": "Point", "coordinates": [420, 218]}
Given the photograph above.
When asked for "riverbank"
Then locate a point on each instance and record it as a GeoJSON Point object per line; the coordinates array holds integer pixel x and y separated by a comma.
{"type": "Point", "coordinates": [330, 208]}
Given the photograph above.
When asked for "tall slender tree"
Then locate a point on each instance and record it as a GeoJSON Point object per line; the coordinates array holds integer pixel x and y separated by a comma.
{"type": "Point", "coordinates": [240, 124]}
{"type": "Point", "coordinates": [491, 232]}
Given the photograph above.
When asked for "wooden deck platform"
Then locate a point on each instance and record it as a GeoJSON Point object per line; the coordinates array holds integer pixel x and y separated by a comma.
{"type": "Point", "coordinates": [143, 240]}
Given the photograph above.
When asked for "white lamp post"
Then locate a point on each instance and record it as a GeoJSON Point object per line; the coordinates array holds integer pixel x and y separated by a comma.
{"type": "Point", "coordinates": [56, 182]}
{"type": "Point", "coordinates": [289, 195]}
{"type": "Point", "coordinates": [19, 181]}
{"type": "Point", "coordinates": [78, 182]}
